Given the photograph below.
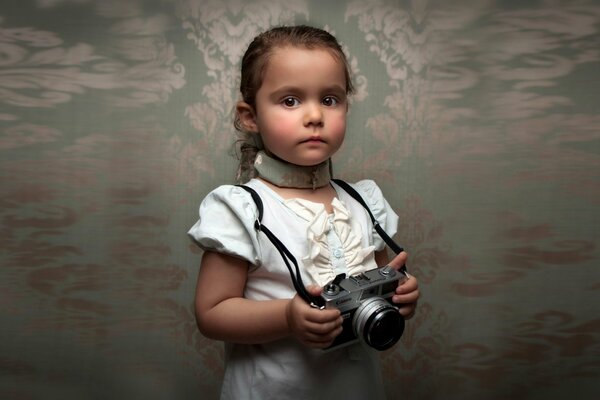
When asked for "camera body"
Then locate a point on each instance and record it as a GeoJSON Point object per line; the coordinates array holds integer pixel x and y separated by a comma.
{"type": "Point", "coordinates": [365, 301]}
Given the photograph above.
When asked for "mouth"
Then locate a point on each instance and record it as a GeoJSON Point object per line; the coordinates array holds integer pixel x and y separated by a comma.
{"type": "Point", "coordinates": [314, 139]}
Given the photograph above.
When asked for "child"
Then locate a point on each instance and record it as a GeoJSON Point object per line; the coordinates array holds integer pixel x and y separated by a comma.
{"type": "Point", "coordinates": [295, 85]}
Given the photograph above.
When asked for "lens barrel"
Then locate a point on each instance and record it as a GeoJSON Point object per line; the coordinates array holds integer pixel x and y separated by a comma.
{"type": "Point", "coordinates": [378, 323]}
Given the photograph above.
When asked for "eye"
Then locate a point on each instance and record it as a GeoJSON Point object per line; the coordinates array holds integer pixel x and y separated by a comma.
{"type": "Point", "coordinates": [290, 102]}
{"type": "Point", "coordinates": [330, 101]}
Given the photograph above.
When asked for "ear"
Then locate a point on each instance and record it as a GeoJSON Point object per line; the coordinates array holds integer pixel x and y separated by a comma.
{"type": "Point", "coordinates": [247, 116]}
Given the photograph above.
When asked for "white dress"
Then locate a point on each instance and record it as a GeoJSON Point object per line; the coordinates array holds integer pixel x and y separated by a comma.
{"type": "Point", "coordinates": [324, 245]}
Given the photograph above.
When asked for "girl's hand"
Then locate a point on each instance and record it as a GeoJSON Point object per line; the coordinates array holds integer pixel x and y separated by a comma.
{"type": "Point", "coordinates": [407, 292]}
{"type": "Point", "coordinates": [311, 326]}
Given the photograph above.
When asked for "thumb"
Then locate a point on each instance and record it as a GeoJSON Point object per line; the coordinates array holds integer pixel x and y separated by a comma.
{"type": "Point", "coordinates": [398, 261]}
{"type": "Point", "coordinates": [314, 290]}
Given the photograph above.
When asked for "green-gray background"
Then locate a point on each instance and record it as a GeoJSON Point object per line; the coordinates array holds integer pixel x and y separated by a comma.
{"type": "Point", "coordinates": [479, 120]}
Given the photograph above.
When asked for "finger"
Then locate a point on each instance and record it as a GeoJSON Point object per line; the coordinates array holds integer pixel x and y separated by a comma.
{"type": "Point", "coordinates": [314, 290]}
{"type": "Point", "coordinates": [323, 316]}
{"type": "Point", "coordinates": [406, 298]}
{"type": "Point", "coordinates": [408, 311]}
{"type": "Point", "coordinates": [322, 329]}
{"type": "Point", "coordinates": [398, 261]}
{"type": "Point", "coordinates": [321, 341]}
{"type": "Point", "coordinates": [407, 285]}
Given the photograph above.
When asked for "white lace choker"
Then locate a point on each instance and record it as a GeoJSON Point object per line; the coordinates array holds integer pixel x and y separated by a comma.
{"type": "Point", "coordinates": [283, 174]}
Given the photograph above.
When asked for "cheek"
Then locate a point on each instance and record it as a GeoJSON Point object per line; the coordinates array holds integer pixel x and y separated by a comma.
{"type": "Point", "coordinates": [287, 124]}
{"type": "Point", "coordinates": [283, 124]}
{"type": "Point", "coordinates": [338, 125]}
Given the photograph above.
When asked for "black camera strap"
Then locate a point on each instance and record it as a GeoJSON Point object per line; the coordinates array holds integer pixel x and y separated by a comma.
{"type": "Point", "coordinates": [315, 301]}
{"type": "Point", "coordinates": [386, 238]}
{"type": "Point", "coordinates": [288, 257]}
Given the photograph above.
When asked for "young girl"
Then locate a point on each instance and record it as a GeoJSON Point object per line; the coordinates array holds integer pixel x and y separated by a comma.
{"type": "Point", "coordinates": [295, 85]}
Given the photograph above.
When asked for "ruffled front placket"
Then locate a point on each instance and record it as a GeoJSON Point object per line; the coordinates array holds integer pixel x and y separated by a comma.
{"type": "Point", "coordinates": [334, 242]}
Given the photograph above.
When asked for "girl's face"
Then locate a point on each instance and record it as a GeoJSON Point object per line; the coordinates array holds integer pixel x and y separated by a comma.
{"type": "Point", "coordinates": [301, 106]}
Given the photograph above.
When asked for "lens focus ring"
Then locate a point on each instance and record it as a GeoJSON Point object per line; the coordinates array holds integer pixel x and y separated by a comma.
{"type": "Point", "coordinates": [378, 323]}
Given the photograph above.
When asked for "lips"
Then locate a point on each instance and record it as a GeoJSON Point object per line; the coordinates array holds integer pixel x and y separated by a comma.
{"type": "Point", "coordinates": [314, 139]}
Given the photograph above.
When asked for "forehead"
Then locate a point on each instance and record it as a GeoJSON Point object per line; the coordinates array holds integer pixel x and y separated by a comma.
{"type": "Point", "coordinates": [302, 66]}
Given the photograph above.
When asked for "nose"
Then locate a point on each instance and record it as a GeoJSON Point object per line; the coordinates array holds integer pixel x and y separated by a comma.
{"type": "Point", "coordinates": [313, 115]}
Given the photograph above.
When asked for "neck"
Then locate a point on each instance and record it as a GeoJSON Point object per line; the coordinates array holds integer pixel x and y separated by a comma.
{"type": "Point", "coordinates": [284, 174]}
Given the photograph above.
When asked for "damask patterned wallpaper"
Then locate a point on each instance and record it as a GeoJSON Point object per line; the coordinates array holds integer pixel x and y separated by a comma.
{"type": "Point", "coordinates": [479, 119]}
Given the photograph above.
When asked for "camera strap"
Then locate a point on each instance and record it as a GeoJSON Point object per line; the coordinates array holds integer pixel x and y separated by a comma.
{"type": "Point", "coordinates": [386, 238]}
{"type": "Point", "coordinates": [314, 301]}
{"type": "Point", "coordinates": [288, 257]}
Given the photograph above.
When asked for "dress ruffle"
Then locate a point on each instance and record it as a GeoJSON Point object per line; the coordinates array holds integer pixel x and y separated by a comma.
{"type": "Point", "coordinates": [317, 263]}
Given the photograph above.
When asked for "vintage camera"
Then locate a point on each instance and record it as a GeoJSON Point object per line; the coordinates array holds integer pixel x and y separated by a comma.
{"type": "Point", "coordinates": [365, 301]}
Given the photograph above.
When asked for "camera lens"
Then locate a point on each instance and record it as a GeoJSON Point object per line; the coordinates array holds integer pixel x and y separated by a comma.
{"type": "Point", "coordinates": [378, 323]}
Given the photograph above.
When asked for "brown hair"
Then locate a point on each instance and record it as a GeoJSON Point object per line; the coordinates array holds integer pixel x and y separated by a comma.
{"type": "Point", "coordinates": [254, 64]}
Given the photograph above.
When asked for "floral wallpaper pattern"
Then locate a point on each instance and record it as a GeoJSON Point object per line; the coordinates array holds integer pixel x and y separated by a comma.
{"type": "Point", "coordinates": [479, 120]}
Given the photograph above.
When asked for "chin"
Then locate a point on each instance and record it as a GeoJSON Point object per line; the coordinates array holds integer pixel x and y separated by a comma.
{"type": "Point", "coordinates": [305, 158]}
{"type": "Point", "coordinates": [310, 163]}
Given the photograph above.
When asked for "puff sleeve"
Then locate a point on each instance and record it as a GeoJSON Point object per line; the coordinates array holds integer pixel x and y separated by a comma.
{"type": "Point", "coordinates": [226, 224]}
{"type": "Point", "coordinates": [382, 211]}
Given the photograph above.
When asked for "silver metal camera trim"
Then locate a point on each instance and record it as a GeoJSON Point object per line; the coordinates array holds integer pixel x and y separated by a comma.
{"type": "Point", "coordinates": [367, 308]}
